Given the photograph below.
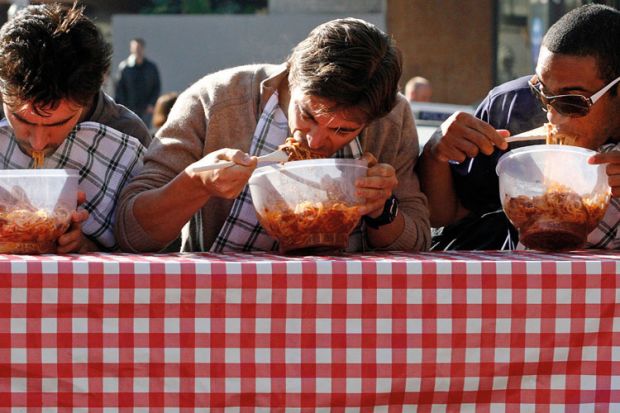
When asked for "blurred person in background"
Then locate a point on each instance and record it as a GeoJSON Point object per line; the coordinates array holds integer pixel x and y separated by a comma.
{"type": "Point", "coordinates": [162, 109]}
{"type": "Point", "coordinates": [337, 94]}
{"type": "Point", "coordinates": [575, 89]}
{"type": "Point", "coordinates": [138, 85]}
{"type": "Point", "coordinates": [506, 57]}
{"type": "Point", "coordinates": [418, 89]}
{"type": "Point", "coordinates": [52, 64]}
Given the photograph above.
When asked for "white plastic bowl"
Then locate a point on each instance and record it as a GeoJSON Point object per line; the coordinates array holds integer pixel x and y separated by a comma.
{"type": "Point", "coordinates": [552, 195]}
{"type": "Point", "coordinates": [308, 206]}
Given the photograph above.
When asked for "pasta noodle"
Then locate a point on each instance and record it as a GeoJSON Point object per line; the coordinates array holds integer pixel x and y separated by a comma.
{"type": "Point", "coordinates": [560, 219]}
{"type": "Point", "coordinates": [298, 151]}
{"type": "Point", "coordinates": [310, 225]}
{"type": "Point", "coordinates": [557, 138]}
{"type": "Point", "coordinates": [27, 229]}
{"type": "Point", "coordinates": [38, 158]}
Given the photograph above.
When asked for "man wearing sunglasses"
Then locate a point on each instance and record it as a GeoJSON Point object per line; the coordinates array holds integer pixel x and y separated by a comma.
{"type": "Point", "coordinates": [576, 88]}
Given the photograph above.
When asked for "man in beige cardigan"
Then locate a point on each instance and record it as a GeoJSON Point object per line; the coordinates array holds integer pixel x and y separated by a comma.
{"type": "Point", "coordinates": [338, 90]}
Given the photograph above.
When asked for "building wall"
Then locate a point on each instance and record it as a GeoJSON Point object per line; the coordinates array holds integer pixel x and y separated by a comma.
{"type": "Point", "coordinates": [450, 42]}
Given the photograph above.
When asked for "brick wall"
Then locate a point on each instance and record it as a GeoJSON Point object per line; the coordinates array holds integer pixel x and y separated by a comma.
{"type": "Point", "coordinates": [450, 42]}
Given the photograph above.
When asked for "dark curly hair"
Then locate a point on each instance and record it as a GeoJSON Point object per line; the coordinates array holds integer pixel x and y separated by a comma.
{"type": "Point", "coordinates": [50, 53]}
{"type": "Point", "coordinates": [351, 63]}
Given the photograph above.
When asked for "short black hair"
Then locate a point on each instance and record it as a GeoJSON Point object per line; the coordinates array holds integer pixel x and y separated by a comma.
{"type": "Point", "coordinates": [50, 53]}
{"type": "Point", "coordinates": [590, 30]}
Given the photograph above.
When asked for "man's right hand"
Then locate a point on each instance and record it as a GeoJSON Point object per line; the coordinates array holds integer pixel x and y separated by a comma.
{"type": "Point", "coordinates": [227, 182]}
{"type": "Point", "coordinates": [463, 135]}
{"type": "Point", "coordinates": [460, 136]}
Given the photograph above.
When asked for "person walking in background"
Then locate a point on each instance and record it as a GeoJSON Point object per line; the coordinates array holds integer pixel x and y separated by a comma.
{"type": "Point", "coordinates": [418, 89]}
{"type": "Point", "coordinates": [138, 85]}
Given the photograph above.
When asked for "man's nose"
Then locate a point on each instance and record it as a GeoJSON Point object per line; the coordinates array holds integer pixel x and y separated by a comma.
{"type": "Point", "coordinates": [554, 117]}
{"type": "Point", "coordinates": [315, 137]}
{"type": "Point", "coordinates": [38, 139]}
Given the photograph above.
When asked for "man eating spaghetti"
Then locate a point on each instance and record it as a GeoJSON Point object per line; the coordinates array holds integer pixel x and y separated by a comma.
{"type": "Point", "coordinates": [337, 93]}
{"type": "Point", "coordinates": [52, 63]}
{"type": "Point", "coordinates": [575, 89]}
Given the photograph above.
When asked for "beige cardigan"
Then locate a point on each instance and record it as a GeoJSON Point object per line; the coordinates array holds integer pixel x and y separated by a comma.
{"type": "Point", "coordinates": [221, 110]}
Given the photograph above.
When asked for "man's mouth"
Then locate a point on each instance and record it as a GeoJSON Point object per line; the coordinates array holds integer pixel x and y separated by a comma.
{"type": "Point", "coordinates": [47, 151]}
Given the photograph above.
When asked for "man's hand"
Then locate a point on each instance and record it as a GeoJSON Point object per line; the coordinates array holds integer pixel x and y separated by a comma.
{"type": "Point", "coordinates": [463, 135]}
{"type": "Point", "coordinates": [376, 188]}
{"type": "Point", "coordinates": [612, 159]}
{"type": "Point", "coordinates": [74, 240]}
{"type": "Point", "coordinates": [227, 182]}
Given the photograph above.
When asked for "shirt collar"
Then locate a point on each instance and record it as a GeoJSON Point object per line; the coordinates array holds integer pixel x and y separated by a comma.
{"type": "Point", "coordinates": [271, 84]}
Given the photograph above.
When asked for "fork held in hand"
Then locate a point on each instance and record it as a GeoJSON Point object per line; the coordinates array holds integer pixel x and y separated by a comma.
{"type": "Point", "coordinates": [275, 156]}
{"type": "Point", "coordinates": [539, 133]}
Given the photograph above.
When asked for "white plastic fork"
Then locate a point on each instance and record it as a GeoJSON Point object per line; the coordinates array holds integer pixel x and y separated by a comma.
{"type": "Point", "coordinates": [275, 156]}
{"type": "Point", "coordinates": [539, 133]}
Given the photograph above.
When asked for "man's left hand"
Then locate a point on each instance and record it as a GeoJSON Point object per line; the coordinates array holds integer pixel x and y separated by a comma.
{"type": "Point", "coordinates": [376, 188]}
{"type": "Point", "coordinates": [74, 240]}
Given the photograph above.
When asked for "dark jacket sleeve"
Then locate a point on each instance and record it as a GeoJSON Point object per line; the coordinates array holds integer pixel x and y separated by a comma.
{"type": "Point", "coordinates": [509, 106]}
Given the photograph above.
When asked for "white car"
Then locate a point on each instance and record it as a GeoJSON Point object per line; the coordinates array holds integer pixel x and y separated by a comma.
{"type": "Point", "coordinates": [428, 116]}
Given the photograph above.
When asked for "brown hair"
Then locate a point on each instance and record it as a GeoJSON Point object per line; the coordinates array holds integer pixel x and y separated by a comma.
{"type": "Point", "coordinates": [49, 53]}
{"type": "Point", "coordinates": [350, 63]}
{"type": "Point", "coordinates": [162, 108]}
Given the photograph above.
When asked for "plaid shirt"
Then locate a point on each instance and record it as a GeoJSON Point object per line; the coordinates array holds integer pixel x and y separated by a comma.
{"type": "Point", "coordinates": [241, 231]}
{"type": "Point", "coordinates": [606, 235]}
{"type": "Point", "coordinates": [105, 160]}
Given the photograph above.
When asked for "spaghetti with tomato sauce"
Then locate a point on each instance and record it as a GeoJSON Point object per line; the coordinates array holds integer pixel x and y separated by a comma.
{"type": "Point", "coordinates": [298, 151]}
{"type": "Point", "coordinates": [25, 229]}
{"type": "Point", "coordinates": [560, 219]}
{"type": "Point", "coordinates": [310, 224]}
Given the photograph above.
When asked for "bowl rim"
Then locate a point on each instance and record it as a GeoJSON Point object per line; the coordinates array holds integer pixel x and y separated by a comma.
{"type": "Point", "coordinates": [542, 148]}
{"type": "Point", "coordinates": [39, 173]}
{"type": "Point", "coordinates": [291, 165]}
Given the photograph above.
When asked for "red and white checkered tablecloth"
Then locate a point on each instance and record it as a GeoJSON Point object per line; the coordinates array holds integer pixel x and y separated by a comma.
{"type": "Point", "coordinates": [430, 332]}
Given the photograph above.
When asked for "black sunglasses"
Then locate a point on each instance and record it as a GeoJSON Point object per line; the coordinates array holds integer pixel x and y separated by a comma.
{"type": "Point", "coordinates": [573, 106]}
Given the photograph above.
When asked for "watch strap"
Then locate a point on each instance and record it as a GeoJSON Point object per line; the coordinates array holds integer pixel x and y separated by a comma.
{"type": "Point", "coordinates": [390, 211]}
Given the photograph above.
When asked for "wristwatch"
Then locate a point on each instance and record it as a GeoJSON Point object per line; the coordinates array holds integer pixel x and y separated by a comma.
{"type": "Point", "coordinates": [390, 210]}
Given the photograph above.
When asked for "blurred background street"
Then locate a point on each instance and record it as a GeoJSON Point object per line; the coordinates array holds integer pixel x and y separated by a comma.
{"type": "Point", "coordinates": [464, 47]}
